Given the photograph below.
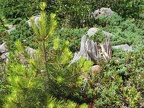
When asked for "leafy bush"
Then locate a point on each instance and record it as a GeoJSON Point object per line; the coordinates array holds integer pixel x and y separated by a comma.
{"type": "Point", "coordinates": [124, 66]}
{"type": "Point", "coordinates": [128, 8]}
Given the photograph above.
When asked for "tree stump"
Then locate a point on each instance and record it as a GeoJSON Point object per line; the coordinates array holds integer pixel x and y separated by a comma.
{"type": "Point", "coordinates": [93, 51]}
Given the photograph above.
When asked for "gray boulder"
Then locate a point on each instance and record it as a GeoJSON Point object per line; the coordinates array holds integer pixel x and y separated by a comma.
{"type": "Point", "coordinates": [124, 47]}
{"type": "Point", "coordinates": [36, 19]}
{"type": "Point", "coordinates": [107, 12]}
{"type": "Point", "coordinates": [93, 30]}
{"type": "Point", "coordinates": [31, 52]}
{"type": "Point", "coordinates": [3, 48]}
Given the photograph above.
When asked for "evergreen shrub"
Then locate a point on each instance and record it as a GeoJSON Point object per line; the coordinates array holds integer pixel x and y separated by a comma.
{"type": "Point", "coordinates": [30, 82]}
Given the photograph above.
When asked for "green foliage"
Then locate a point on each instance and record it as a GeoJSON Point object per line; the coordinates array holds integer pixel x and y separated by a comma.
{"type": "Point", "coordinates": [24, 83]}
{"type": "Point", "coordinates": [77, 13]}
{"type": "Point", "coordinates": [22, 68]}
{"type": "Point", "coordinates": [54, 103]}
{"type": "Point", "coordinates": [2, 91]}
{"type": "Point", "coordinates": [129, 66]}
{"type": "Point", "coordinates": [14, 9]}
{"type": "Point", "coordinates": [71, 35]}
{"type": "Point", "coordinates": [27, 85]}
{"type": "Point", "coordinates": [22, 33]}
{"type": "Point", "coordinates": [129, 8]}
{"type": "Point", "coordinates": [98, 37]}
{"type": "Point", "coordinates": [106, 88]}
{"type": "Point", "coordinates": [118, 81]}
{"type": "Point", "coordinates": [125, 31]}
{"type": "Point", "coordinates": [71, 12]}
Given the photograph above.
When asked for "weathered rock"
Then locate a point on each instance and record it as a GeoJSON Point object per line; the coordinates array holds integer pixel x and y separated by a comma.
{"type": "Point", "coordinates": [36, 19]}
{"type": "Point", "coordinates": [124, 47]}
{"type": "Point", "coordinates": [4, 57]}
{"type": "Point", "coordinates": [106, 12]}
{"type": "Point", "coordinates": [96, 69]}
{"type": "Point", "coordinates": [31, 52]}
{"type": "Point", "coordinates": [3, 48]}
{"type": "Point", "coordinates": [10, 28]}
{"type": "Point", "coordinates": [93, 30]}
